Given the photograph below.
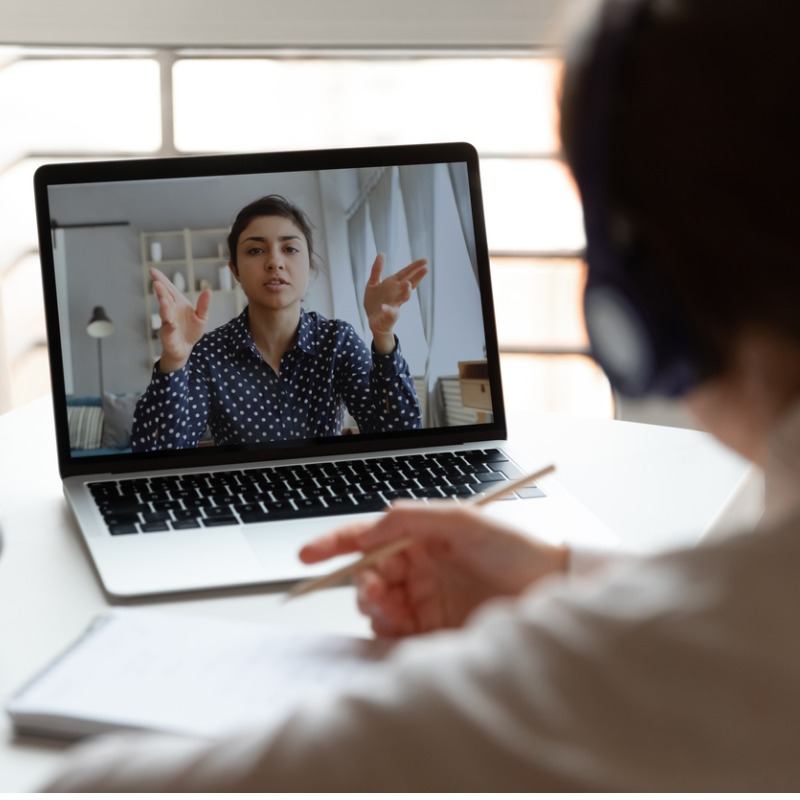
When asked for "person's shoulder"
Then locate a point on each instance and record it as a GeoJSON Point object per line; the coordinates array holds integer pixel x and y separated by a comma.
{"type": "Point", "coordinates": [332, 335]}
{"type": "Point", "coordinates": [348, 338]}
{"type": "Point", "coordinates": [762, 557]}
{"type": "Point", "coordinates": [747, 575]}
{"type": "Point", "coordinates": [319, 321]}
{"type": "Point", "coordinates": [327, 328]}
{"type": "Point", "coordinates": [342, 328]}
{"type": "Point", "coordinates": [226, 336]}
{"type": "Point", "coordinates": [315, 318]}
{"type": "Point", "coordinates": [206, 344]}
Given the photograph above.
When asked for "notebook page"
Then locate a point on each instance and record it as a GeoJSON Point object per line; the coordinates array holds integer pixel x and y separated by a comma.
{"type": "Point", "coordinates": [188, 675]}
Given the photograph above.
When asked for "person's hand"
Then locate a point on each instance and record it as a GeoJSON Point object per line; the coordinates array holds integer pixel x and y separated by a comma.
{"type": "Point", "coordinates": [182, 324]}
{"type": "Point", "coordinates": [457, 560]}
{"type": "Point", "coordinates": [383, 298]}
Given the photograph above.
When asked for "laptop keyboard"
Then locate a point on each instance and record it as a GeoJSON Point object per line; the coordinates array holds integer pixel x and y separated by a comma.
{"type": "Point", "coordinates": [263, 494]}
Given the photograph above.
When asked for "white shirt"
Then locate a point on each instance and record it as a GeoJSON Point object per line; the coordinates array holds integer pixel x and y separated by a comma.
{"type": "Point", "coordinates": [678, 672]}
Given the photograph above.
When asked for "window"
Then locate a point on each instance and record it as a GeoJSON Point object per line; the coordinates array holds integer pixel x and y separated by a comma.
{"type": "Point", "coordinates": [159, 102]}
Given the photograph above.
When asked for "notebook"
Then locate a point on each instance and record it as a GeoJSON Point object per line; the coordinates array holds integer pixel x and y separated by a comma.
{"type": "Point", "coordinates": [214, 469]}
{"type": "Point", "coordinates": [141, 670]}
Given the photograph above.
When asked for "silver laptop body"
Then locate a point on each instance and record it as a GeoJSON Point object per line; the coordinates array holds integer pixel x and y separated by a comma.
{"type": "Point", "coordinates": [102, 225]}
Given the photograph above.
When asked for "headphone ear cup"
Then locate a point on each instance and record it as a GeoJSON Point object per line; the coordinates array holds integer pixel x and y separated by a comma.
{"type": "Point", "coordinates": [641, 343]}
{"type": "Point", "coordinates": [619, 338]}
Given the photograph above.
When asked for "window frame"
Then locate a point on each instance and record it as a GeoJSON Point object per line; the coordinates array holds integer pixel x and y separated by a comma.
{"type": "Point", "coordinates": [167, 57]}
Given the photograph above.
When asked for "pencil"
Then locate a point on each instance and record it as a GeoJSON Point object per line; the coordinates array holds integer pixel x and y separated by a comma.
{"type": "Point", "coordinates": [391, 548]}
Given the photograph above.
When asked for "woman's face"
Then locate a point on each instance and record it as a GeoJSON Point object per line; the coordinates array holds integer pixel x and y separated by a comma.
{"type": "Point", "coordinates": [274, 263]}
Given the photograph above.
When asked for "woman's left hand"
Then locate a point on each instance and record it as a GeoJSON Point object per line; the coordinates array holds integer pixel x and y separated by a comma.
{"type": "Point", "coordinates": [383, 298]}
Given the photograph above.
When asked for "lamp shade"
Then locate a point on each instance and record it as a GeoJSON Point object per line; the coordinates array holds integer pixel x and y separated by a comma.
{"type": "Point", "coordinates": [99, 325]}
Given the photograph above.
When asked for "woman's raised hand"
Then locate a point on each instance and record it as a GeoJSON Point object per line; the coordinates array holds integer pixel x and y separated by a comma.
{"type": "Point", "coordinates": [182, 324]}
{"type": "Point", "coordinates": [457, 560]}
{"type": "Point", "coordinates": [383, 298]}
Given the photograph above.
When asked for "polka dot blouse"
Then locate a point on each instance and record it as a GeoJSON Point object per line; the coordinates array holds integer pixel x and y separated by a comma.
{"type": "Point", "coordinates": [227, 385]}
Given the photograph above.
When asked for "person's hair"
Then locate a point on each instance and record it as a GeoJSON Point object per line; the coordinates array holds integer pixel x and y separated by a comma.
{"type": "Point", "coordinates": [271, 205]}
{"type": "Point", "coordinates": [704, 158]}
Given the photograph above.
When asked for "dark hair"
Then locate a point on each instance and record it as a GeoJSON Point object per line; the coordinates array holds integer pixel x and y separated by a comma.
{"type": "Point", "coordinates": [271, 205]}
{"type": "Point", "coordinates": [704, 159]}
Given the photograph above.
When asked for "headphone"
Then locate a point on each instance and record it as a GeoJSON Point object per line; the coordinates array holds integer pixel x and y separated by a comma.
{"type": "Point", "coordinates": [636, 335]}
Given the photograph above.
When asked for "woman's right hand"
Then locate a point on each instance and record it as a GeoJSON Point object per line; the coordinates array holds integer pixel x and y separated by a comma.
{"type": "Point", "coordinates": [182, 324]}
{"type": "Point", "coordinates": [457, 560]}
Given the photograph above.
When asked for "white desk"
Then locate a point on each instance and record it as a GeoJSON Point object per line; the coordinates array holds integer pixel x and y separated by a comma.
{"type": "Point", "coordinates": [655, 486]}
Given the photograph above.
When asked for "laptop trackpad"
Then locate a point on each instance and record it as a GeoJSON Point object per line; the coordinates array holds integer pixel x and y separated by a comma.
{"type": "Point", "coordinates": [276, 545]}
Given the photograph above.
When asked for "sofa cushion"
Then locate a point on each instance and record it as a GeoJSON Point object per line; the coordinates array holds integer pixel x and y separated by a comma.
{"type": "Point", "coordinates": [118, 419]}
{"type": "Point", "coordinates": [85, 427]}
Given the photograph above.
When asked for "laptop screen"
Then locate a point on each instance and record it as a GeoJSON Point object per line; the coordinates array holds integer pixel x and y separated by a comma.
{"type": "Point", "coordinates": [240, 305]}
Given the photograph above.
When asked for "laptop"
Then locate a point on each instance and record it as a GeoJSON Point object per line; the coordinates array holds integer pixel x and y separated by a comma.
{"type": "Point", "coordinates": [213, 471]}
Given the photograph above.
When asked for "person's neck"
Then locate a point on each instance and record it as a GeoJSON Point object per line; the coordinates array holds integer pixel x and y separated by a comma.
{"type": "Point", "coordinates": [274, 331]}
{"type": "Point", "coordinates": [743, 407]}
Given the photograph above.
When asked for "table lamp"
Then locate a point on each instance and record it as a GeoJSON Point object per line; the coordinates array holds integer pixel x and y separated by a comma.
{"type": "Point", "coordinates": [98, 328]}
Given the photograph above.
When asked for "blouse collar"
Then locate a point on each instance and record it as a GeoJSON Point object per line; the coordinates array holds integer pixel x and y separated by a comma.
{"type": "Point", "coordinates": [306, 332]}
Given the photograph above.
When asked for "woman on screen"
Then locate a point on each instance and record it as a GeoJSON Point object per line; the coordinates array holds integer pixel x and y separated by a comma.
{"type": "Point", "coordinates": [276, 371]}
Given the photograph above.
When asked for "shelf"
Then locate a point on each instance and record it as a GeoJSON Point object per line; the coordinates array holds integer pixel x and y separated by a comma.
{"type": "Point", "coordinates": [193, 269]}
{"type": "Point", "coordinates": [157, 234]}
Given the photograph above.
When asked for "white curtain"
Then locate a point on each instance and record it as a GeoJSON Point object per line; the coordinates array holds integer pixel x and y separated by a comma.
{"type": "Point", "coordinates": [458, 334]}
{"type": "Point", "coordinates": [362, 254]}
{"type": "Point", "coordinates": [60, 266]}
{"type": "Point", "coordinates": [423, 211]}
{"type": "Point", "coordinates": [416, 189]}
{"type": "Point", "coordinates": [391, 238]}
{"type": "Point", "coordinates": [460, 180]}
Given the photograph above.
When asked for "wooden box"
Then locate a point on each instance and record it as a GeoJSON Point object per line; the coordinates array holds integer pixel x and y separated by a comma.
{"type": "Point", "coordinates": [474, 382]}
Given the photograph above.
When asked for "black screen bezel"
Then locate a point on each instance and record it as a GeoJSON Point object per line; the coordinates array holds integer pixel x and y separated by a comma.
{"type": "Point", "coordinates": [239, 164]}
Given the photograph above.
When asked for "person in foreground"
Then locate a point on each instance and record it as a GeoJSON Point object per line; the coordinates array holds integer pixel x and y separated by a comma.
{"type": "Point", "coordinates": [540, 669]}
